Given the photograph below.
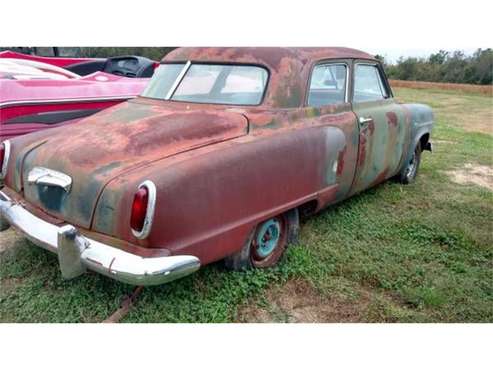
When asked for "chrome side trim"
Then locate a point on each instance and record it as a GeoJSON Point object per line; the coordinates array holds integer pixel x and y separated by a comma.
{"type": "Point", "coordinates": [178, 80]}
{"type": "Point", "coordinates": [68, 100]}
{"type": "Point", "coordinates": [3, 170]}
{"type": "Point", "coordinates": [76, 252]}
{"type": "Point", "coordinates": [346, 93]}
{"type": "Point", "coordinates": [46, 176]}
{"type": "Point", "coordinates": [151, 207]}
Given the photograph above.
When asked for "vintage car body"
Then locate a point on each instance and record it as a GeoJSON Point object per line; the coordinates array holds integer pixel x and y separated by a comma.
{"type": "Point", "coordinates": [35, 95]}
{"type": "Point", "coordinates": [210, 180]}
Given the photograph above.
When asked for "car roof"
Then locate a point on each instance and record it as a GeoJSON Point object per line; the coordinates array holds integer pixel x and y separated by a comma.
{"type": "Point", "coordinates": [289, 68]}
{"type": "Point", "coordinates": [264, 55]}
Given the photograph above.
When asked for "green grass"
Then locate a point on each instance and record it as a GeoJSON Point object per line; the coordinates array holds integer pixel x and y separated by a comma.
{"type": "Point", "coordinates": [422, 252]}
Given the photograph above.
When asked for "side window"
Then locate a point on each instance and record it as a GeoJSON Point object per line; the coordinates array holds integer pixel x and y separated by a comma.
{"type": "Point", "coordinates": [327, 85]}
{"type": "Point", "coordinates": [368, 84]}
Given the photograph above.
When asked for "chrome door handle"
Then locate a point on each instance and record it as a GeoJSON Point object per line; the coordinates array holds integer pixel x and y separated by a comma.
{"type": "Point", "coordinates": [365, 120]}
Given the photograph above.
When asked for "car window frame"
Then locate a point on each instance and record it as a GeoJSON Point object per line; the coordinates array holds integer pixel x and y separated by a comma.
{"type": "Point", "coordinates": [211, 62]}
{"type": "Point", "coordinates": [344, 62]}
{"type": "Point", "coordinates": [383, 83]}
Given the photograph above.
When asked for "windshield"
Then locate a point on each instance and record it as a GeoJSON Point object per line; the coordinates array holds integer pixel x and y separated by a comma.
{"type": "Point", "coordinates": [208, 83]}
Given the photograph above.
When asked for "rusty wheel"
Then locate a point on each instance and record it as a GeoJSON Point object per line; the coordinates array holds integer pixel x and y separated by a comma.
{"type": "Point", "coordinates": [266, 244]}
{"type": "Point", "coordinates": [269, 242]}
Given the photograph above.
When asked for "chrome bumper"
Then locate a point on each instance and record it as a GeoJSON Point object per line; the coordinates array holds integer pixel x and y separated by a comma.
{"type": "Point", "coordinates": [76, 253]}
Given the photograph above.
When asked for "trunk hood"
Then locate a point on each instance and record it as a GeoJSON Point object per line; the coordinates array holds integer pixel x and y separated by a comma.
{"type": "Point", "coordinates": [119, 139]}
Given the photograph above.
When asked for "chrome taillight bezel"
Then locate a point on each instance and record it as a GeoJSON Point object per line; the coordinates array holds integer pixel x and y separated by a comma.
{"type": "Point", "coordinates": [151, 206]}
{"type": "Point", "coordinates": [6, 155]}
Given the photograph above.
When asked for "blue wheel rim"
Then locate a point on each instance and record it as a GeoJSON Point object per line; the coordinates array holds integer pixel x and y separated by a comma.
{"type": "Point", "coordinates": [268, 238]}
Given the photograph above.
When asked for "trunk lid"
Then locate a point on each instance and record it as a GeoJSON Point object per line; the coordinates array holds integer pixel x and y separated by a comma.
{"type": "Point", "coordinates": [116, 140]}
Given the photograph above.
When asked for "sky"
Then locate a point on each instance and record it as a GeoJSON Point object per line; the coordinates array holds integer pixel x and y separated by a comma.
{"type": "Point", "coordinates": [391, 55]}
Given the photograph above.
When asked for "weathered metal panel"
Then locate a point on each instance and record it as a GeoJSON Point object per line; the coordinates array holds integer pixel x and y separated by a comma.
{"type": "Point", "coordinates": [383, 142]}
{"type": "Point", "coordinates": [209, 199]}
{"type": "Point", "coordinates": [115, 141]}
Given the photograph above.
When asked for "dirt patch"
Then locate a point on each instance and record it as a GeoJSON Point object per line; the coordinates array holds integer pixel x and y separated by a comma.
{"type": "Point", "coordinates": [298, 301]}
{"type": "Point", "coordinates": [473, 174]}
{"type": "Point", "coordinates": [8, 238]}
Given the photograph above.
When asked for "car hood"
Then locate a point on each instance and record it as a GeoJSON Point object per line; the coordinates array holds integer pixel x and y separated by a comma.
{"type": "Point", "coordinates": [110, 143]}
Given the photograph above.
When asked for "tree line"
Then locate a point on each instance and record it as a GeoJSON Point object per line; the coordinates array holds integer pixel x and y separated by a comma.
{"type": "Point", "coordinates": [444, 66]}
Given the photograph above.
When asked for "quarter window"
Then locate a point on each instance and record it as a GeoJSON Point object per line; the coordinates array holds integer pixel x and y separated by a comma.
{"type": "Point", "coordinates": [327, 85]}
{"type": "Point", "coordinates": [368, 84]}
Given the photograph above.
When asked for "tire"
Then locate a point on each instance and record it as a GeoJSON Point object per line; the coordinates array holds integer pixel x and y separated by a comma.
{"type": "Point", "coordinates": [266, 243]}
{"type": "Point", "coordinates": [410, 170]}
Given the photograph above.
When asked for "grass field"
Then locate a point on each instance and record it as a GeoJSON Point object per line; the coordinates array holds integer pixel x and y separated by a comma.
{"type": "Point", "coordinates": [417, 253]}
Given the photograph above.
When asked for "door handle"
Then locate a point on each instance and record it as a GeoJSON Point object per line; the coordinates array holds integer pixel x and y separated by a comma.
{"type": "Point", "coordinates": [365, 120]}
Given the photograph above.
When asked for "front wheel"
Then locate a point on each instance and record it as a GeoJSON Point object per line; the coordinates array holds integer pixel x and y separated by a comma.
{"type": "Point", "coordinates": [266, 244]}
{"type": "Point", "coordinates": [410, 170]}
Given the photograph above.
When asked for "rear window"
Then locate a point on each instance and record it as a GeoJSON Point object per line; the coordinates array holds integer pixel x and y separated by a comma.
{"type": "Point", "coordinates": [209, 83]}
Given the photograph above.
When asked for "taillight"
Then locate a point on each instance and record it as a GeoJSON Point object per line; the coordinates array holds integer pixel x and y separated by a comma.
{"type": "Point", "coordinates": [139, 209]}
{"type": "Point", "coordinates": [143, 209]}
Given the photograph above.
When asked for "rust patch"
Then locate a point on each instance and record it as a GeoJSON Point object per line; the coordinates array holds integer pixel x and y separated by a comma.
{"type": "Point", "coordinates": [371, 127]}
{"type": "Point", "coordinates": [381, 177]}
{"type": "Point", "coordinates": [125, 307]}
{"type": "Point", "coordinates": [362, 150]}
{"type": "Point", "coordinates": [340, 161]}
{"type": "Point", "coordinates": [392, 118]}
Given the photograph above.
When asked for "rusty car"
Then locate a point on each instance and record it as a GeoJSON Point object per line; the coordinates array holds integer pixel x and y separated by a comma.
{"type": "Point", "coordinates": [216, 160]}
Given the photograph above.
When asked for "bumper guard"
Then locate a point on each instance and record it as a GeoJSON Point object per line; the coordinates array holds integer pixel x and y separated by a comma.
{"type": "Point", "coordinates": [76, 253]}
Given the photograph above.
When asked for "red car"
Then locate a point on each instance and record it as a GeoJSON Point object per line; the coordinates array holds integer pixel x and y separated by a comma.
{"type": "Point", "coordinates": [37, 93]}
{"type": "Point", "coordinates": [215, 160]}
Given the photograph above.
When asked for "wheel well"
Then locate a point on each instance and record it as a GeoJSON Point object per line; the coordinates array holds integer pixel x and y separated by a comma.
{"type": "Point", "coordinates": [308, 208]}
{"type": "Point", "coordinates": [424, 141]}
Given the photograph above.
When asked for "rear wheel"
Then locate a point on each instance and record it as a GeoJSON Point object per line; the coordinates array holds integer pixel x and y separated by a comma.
{"type": "Point", "coordinates": [410, 170]}
{"type": "Point", "coordinates": [266, 244]}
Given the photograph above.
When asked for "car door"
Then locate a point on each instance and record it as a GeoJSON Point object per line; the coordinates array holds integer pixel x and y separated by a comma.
{"type": "Point", "coordinates": [382, 126]}
{"type": "Point", "coordinates": [328, 94]}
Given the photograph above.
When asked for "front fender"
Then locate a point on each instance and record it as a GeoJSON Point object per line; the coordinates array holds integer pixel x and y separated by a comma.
{"type": "Point", "coordinates": [421, 123]}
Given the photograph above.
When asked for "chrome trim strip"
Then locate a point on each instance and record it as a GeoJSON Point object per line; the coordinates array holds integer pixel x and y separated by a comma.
{"type": "Point", "coordinates": [178, 80]}
{"type": "Point", "coordinates": [77, 252]}
{"type": "Point", "coordinates": [49, 177]}
{"type": "Point", "coordinates": [68, 100]}
{"type": "Point", "coordinates": [151, 205]}
{"type": "Point", "coordinates": [346, 93]}
{"type": "Point", "coordinates": [6, 155]}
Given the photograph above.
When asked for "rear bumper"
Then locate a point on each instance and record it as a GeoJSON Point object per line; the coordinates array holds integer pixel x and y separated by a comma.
{"type": "Point", "coordinates": [76, 253]}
